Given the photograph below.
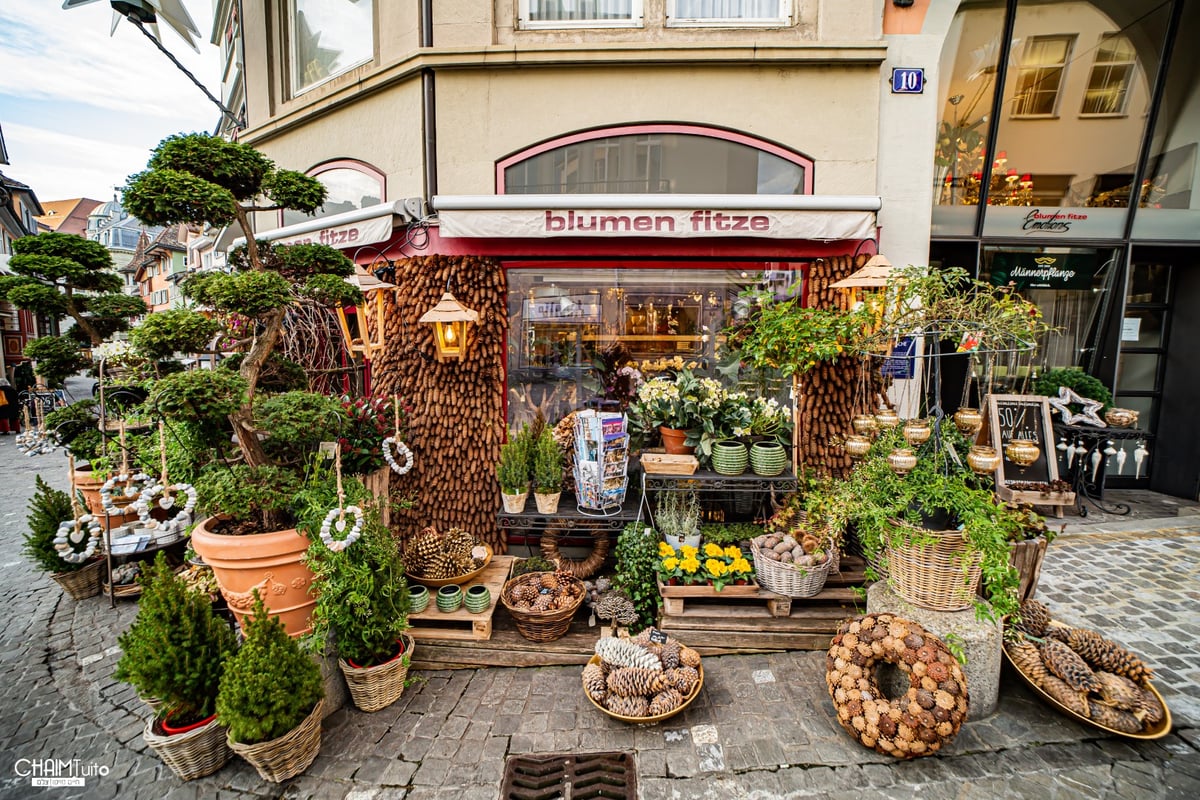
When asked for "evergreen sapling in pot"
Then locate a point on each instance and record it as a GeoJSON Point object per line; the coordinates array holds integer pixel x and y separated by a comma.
{"type": "Point", "coordinates": [271, 698]}
{"type": "Point", "coordinates": [547, 472]}
{"type": "Point", "coordinates": [513, 471]}
{"type": "Point", "coordinates": [47, 509]}
{"type": "Point", "coordinates": [175, 652]}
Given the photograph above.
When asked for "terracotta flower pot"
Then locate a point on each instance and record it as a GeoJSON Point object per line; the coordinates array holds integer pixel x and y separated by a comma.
{"type": "Point", "coordinates": [269, 562]}
{"type": "Point", "coordinates": [90, 487]}
{"type": "Point", "coordinates": [673, 440]}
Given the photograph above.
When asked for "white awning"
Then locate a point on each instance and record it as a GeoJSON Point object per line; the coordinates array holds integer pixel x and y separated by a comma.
{"type": "Point", "coordinates": [348, 229]}
{"type": "Point", "coordinates": [814, 217]}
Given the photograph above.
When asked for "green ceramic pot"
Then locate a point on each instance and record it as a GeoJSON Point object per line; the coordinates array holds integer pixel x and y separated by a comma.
{"type": "Point", "coordinates": [418, 598]}
{"type": "Point", "coordinates": [768, 458]}
{"type": "Point", "coordinates": [477, 598]}
{"type": "Point", "coordinates": [729, 457]}
{"type": "Point", "coordinates": [449, 598]}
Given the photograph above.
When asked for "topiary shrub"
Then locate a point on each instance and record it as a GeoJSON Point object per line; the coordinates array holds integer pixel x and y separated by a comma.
{"type": "Point", "coordinates": [296, 422]}
{"type": "Point", "coordinates": [47, 509]}
{"type": "Point", "coordinates": [269, 686]}
{"type": "Point", "coordinates": [250, 499]}
{"type": "Point", "coordinates": [176, 648]}
{"type": "Point", "coordinates": [1077, 381]}
{"type": "Point", "coordinates": [164, 333]}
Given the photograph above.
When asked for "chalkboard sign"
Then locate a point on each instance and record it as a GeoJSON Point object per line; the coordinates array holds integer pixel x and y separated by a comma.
{"type": "Point", "coordinates": [657, 636]}
{"type": "Point", "coordinates": [1023, 416]}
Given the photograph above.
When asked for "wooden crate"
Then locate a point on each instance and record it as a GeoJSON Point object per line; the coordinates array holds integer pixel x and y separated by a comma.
{"type": "Point", "coordinates": [434, 625]}
{"type": "Point", "coordinates": [664, 464]}
{"type": "Point", "coordinates": [1056, 500]}
{"type": "Point", "coordinates": [676, 598]}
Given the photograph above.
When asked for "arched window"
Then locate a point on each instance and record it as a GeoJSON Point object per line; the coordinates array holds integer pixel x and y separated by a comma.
{"type": "Point", "coordinates": [655, 159]}
{"type": "Point", "coordinates": [351, 184]}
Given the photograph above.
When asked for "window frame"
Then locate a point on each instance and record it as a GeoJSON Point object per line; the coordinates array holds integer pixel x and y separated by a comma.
{"type": "Point", "coordinates": [1131, 64]}
{"type": "Point", "coordinates": [1021, 69]}
{"type": "Point", "coordinates": [344, 163]}
{"type": "Point", "coordinates": [289, 10]}
{"type": "Point", "coordinates": [524, 23]}
{"type": "Point", "coordinates": [783, 20]}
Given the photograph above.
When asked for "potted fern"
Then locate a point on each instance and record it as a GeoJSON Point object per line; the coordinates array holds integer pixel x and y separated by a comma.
{"type": "Point", "coordinates": [270, 699]}
{"type": "Point", "coordinates": [513, 470]}
{"type": "Point", "coordinates": [175, 651]}
{"type": "Point", "coordinates": [47, 510]}
{"type": "Point", "coordinates": [547, 472]}
{"type": "Point", "coordinates": [363, 599]}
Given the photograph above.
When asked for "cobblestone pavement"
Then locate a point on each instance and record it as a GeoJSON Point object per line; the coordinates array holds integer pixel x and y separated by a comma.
{"type": "Point", "coordinates": [763, 727]}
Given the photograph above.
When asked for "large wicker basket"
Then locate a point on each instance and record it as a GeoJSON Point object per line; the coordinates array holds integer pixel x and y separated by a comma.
{"type": "Point", "coordinates": [541, 626]}
{"type": "Point", "coordinates": [82, 583]}
{"type": "Point", "coordinates": [373, 688]}
{"type": "Point", "coordinates": [290, 754]}
{"type": "Point", "coordinates": [786, 579]}
{"type": "Point", "coordinates": [934, 570]}
{"type": "Point", "coordinates": [194, 754]}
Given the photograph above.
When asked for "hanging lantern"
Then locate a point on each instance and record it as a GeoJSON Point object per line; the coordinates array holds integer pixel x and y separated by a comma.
{"type": "Point", "coordinates": [917, 432]}
{"type": "Point", "coordinates": [886, 418]}
{"type": "Point", "coordinates": [902, 460]}
{"type": "Point", "coordinates": [983, 460]}
{"type": "Point", "coordinates": [451, 327]}
{"type": "Point", "coordinates": [865, 424]}
{"type": "Point", "coordinates": [857, 445]}
{"type": "Point", "coordinates": [1022, 452]}
{"type": "Point", "coordinates": [366, 335]}
{"type": "Point", "coordinates": [968, 421]}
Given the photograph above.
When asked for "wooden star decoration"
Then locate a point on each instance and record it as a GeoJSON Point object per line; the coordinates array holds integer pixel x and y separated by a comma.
{"type": "Point", "coordinates": [1091, 408]}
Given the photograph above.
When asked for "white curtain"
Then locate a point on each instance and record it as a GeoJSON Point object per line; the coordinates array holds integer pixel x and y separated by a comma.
{"type": "Point", "coordinates": [728, 9]}
{"type": "Point", "coordinates": [546, 10]}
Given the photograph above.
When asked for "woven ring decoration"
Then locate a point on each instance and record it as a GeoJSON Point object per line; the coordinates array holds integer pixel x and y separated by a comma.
{"type": "Point", "coordinates": [916, 724]}
{"type": "Point", "coordinates": [134, 485]}
{"type": "Point", "coordinates": [338, 545]}
{"type": "Point", "coordinates": [401, 450]}
{"type": "Point", "coordinates": [70, 534]}
{"type": "Point", "coordinates": [579, 569]}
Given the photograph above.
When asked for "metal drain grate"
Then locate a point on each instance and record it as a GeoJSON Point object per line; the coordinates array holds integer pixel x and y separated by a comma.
{"type": "Point", "coordinates": [570, 776]}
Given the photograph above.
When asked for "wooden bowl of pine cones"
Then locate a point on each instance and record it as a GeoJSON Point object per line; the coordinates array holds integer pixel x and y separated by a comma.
{"type": "Point", "coordinates": [639, 681]}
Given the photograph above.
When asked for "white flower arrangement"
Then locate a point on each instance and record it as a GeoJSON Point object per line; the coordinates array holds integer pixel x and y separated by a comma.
{"type": "Point", "coordinates": [112, 352]}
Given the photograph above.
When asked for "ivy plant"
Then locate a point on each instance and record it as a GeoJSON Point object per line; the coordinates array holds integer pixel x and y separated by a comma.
{"type": "Point", "coordinates": [637, 555]}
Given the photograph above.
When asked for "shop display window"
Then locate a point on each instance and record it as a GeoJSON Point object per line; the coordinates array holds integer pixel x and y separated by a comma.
{"type": "Point", "coordinates": [583, 337]}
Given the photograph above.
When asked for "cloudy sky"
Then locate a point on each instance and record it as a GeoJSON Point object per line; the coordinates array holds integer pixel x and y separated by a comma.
{"type": "Point", "coordinates": [81, 110]}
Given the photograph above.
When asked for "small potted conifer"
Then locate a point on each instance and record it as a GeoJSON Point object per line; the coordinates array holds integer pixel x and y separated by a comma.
{"type": "Point", "coordinates": [175, 651]}
{"type": "Point", "coordinates": [547, 472]}
{"type": "Point", "coordinates": [513, 470]}
{"type": "Point", "coordinates": [271, 699]}
{"type": "Point", "coordinates": [47, 510]}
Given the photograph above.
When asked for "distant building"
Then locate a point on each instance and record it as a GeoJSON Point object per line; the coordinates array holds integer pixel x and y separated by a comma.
{"type": "Point", "coordinates": [18, 208]}
{"type": "Point", "coordinates": [162, 264]}
{"type": "Point", "coordinates": [112, 226]}
{"type": "Point", "coordinates": [67, 216]}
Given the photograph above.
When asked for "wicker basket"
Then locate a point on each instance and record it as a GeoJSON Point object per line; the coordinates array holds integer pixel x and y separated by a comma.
{"type": "Point", "coordinates": [290, 754]}
{"type": "Point", "coordinates": [786, 579]}
{"type": "Point", "coordinates": [194, 754]}
{"type": "Point", "coordinates": [541, 626]}
{"type": "Point", "coordinates": [373, 688]}
{"type": "Point", "coordinates": [939, 574]}
{"type": "Point", "coordinates": [82, 583]}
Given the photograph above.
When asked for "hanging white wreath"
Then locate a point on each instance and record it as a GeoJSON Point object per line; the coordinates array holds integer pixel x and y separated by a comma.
{"type": "Point", "coordinates": [401, 450]}
{"type": "Point", "coordinates": [149, 498]}
{"type": "Point", "coordinates": [86, 532]}
{"type": "Point", "coordinates": [133, 485]}
{"type": "Point", "coordinates": [336, 519]}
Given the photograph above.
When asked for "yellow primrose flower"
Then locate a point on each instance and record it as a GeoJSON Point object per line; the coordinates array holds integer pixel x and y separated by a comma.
{"type": "Point", "coordinates": [740, 565]}
{"type": "Point", "coordinates": [670, 563]}
{"type": "Point", "coordinates": [688, 551]}
{"type": "Point", "coordinates": [715, 568]}
{"type": "Point", "coordinates": [665, 549]}
{"type": "Point", "coordinates": [689, 565]}
{"type": "Point", "coordinates": [712, 550]}
{"type": "Point", "coordinates": [733, 551]}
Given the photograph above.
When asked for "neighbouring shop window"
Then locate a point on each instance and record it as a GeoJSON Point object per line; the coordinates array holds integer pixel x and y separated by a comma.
{"type": "Point", "coordinates": [728, 12]}
{"type": "Point", "coordinates": [1068, 285]}
{"type": "Point", "coordinates": [349, 187]}
{"type": "Point", "coordinates": [1169, 207]}
{"type": "Point", "coordinates": [1112, 71]}
{"type": "Point", "coordinates": [658, 162]}
{"type": "Point", "coordinates": [580, 13]}
{"type": "Point", "coordinates": [582, 337]}
{"type": "Point", "coordinates": [328, 37]}
{"type": "Point", "coordinates": [1040, 75]}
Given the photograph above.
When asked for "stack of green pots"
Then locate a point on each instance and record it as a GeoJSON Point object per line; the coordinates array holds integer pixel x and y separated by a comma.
{"type": "Point", "coordinates": [729, 457]}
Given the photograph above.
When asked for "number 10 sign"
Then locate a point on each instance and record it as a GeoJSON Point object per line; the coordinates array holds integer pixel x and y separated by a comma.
{"type": "Point", "coordinates": [908, 80]}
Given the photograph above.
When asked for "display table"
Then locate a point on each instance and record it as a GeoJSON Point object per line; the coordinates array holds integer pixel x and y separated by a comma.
{"type": "Point", "coordinates": [1086, 480]}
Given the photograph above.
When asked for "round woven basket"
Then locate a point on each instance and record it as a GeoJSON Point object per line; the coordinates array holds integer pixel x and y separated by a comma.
{"type": "Point", "coordinates": [373, 688]}
{"type": "Point", "coordinates": [786, 579]}
{"type": "Point", "coordinates": [939, 574]}
{"type": "Point", "coordinates": [82, 583]}
{"type": "Point", "coordinates": [541, 626]}
{"type": "Point", "coordinates": [290, 754]}
{"type": "Point", "coordinates": [194, 754]}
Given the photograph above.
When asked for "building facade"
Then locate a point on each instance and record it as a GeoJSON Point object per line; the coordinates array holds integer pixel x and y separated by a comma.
{"type": "Point", "coordinates": [161, 263]}
{"type": "Point", "coordinates": [635, 164]}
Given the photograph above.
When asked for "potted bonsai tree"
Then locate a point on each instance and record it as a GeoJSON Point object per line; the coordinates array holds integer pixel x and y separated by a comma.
{"type": "Point", "coordinates": [175, 652]}
{"type": "Point", "coordinates": [362, 596]}
{"type": "Point", "coordinates": [270, 699]}
{"type": "Point", "coordinates": [195, 178]}
{"type": "Point", "coordinates": [547, 472]}
{"type": "Point", "coordinates": [513, 470]}
{"type": "Point", "coordinates": [48, 508]}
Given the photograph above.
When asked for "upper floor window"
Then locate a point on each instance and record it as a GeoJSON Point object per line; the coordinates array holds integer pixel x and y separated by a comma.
{"type": "Point", "coordinates": [349, 185]}
{"type": "Point", "coordinates": [656, 159]}
{"type": "Point", "coordinates": [1040, 75]}
{"type": "Point", "coordinates": [328, 37]}
{"type": "Point", "coordinates": [580, 13]}
{"type": "Point", "coordinates": [728, 13]}
{"type": "Point", "coordinates": [1112, 73]}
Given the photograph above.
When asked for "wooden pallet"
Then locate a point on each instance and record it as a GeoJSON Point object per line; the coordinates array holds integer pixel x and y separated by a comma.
{"type": "Point", "coordinates": [809, 623]}
{"type": "Point", "coordinates": [433, 625]}
{"type": "Point", "coordinates": [676, 598]}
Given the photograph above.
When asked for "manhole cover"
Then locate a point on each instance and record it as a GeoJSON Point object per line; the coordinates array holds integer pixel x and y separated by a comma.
{"type": "Point", "coordinates": [570, 776]}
